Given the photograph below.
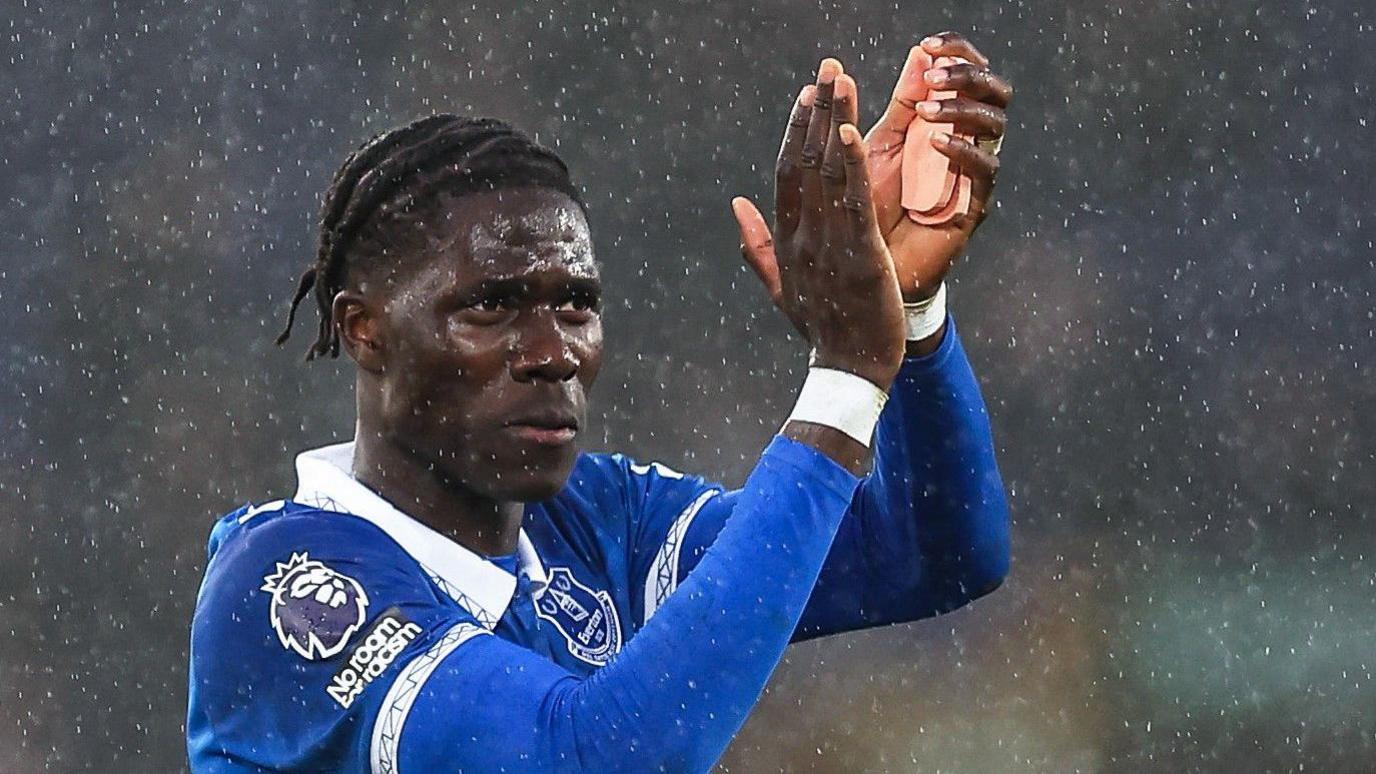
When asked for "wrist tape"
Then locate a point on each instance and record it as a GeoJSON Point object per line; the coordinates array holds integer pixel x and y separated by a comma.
{"type": "Point", "coordinates": [923, 318]}
{"type": "Point", "coordinates": [840, 400]}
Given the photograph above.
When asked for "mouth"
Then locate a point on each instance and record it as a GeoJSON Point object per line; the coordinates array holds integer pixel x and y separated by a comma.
{"type": "Point", "coordinates": [551, 429]}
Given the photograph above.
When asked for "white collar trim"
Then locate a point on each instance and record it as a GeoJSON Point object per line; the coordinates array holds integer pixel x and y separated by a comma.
{"type": "Point", "coordinates": [325, 480]}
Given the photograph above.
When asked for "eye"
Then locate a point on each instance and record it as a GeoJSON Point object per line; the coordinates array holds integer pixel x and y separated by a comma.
{"type": "Point", "coordinates": [493, 303]}
{"type": "Point", "coordinates": [578, 307]}
{"type": "Point", "coordinates": [489, 309]}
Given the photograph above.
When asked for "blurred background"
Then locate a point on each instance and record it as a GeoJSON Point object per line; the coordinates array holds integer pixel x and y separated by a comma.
{"type": "Point", "coordinates": [1170, 312]}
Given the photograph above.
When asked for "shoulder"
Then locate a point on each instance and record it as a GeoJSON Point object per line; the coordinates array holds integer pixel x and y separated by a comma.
{"type": "Point", "coordinates": [293, 582]}
{"type": "Point", "coordinates": [617, 486]}
{"type": "Point", "coordinates": [656, 495]}
{"type": "Point", "coordinates": [256, 527]}
{"type": "Point", "coordinates": [313, 610]}
{"type": "Point", "coordinates": [249, 542]}
{"type": "Point", "coordinates": [630, 477]}
{"type": "Point", "coordinates": [278, 553]}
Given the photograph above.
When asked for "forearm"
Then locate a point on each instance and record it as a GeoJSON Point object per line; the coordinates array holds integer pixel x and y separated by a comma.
{"type": "Point", "coordinates": [681, 688]}
{"type": "Point", "coordinates": [935, 496]}
{"type": "Point", "coordinates": [704, 661]}
{"type": "Point", "coordinates": [928, 530]}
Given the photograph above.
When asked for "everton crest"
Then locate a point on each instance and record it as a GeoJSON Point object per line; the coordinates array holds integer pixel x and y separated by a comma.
{"type": "Point", "coordinates": [314, 609]}
{"type": "Point", "coordinates": [586, 618]}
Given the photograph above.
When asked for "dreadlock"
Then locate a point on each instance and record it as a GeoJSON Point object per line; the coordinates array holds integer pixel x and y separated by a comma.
{"type": "Point", "coordinates": [442, 153]}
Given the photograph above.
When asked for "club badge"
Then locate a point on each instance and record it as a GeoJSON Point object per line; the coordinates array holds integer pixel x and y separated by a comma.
{"type": "Point", "coordinates": [586, 618]}
{"type": "Point", "coordinates": [314, 609]}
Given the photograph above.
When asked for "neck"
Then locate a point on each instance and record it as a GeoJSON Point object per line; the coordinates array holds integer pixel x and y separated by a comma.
{"type": "Point", "coordinates": [417, 488]}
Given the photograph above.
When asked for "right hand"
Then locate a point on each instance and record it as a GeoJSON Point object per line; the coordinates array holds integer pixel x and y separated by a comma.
{"type": "Point", "coordinates": [833, 275]}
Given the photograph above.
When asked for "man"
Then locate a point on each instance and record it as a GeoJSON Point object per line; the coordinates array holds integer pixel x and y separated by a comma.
{"type": "Point", "coordinates": [458, 589]}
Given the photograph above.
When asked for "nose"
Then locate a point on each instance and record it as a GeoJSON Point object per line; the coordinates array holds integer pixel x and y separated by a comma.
{"type": "Point", "coordinates": [542, 351]}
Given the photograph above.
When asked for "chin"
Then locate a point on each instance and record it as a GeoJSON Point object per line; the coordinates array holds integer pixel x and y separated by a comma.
{"type": "Point", "coordinates": [531, 481]}
{"type": "Point", "coordinates": [534, 487]}
{"type": "Point", "coordinates": [537, 491]}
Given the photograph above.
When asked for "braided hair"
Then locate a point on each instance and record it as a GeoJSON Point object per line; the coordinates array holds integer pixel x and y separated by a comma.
{"type": "Point", "coordinates": [406, 170]}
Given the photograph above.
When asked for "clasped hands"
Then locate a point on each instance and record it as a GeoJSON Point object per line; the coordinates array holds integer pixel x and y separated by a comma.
{"type": "Point", "coordinates": [840, 226]}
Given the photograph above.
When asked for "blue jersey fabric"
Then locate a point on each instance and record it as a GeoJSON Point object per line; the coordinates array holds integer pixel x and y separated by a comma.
{"type": "Point", "coordinates": [634, 628]}
{"type": "Point", "coordinates": [928, 531]}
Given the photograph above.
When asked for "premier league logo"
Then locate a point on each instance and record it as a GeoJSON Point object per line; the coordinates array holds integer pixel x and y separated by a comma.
{"type": "Point", "coordinates": [314, 609]}
{"type": "Point", "coordinates": [586, 618]}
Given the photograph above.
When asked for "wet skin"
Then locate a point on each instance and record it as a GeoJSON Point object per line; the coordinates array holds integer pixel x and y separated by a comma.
{"type": "Point", "coordinates": [475, 362]}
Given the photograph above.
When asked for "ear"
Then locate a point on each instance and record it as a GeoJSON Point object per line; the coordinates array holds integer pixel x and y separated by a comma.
{"type": "Point", "coordinates": [359, 324]}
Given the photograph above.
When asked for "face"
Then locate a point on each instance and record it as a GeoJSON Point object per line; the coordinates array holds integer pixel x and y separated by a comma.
{"type": "Point", "coordinates": [491, 342]}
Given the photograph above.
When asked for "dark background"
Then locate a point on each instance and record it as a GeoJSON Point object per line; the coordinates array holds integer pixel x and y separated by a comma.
{"type": "Point", "coordinates": [1171, 314]}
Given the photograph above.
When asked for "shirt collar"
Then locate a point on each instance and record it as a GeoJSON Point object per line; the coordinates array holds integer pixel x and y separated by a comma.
{"type": "Point", "coordinates": [325, 480]}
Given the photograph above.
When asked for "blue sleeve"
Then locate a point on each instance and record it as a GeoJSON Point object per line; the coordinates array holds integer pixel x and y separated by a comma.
{"type": "Point", "coordinates": [676, 694]}
{"type": "Point", "coordinates": [303, 622]}
{"type": "Point", "coordinates": [929, 528]}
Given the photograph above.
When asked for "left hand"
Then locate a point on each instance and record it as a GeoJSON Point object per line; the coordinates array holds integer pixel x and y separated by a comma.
{"type": "Point", "coordinates": [922, 255]}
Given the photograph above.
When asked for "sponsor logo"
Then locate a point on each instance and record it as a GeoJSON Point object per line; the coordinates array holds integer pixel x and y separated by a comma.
{"type": "Point", "coordinates": [586, 618]}
{"type": "Point", "coordinates": [314, 609]}
{"type": "Point", "coordinates": [371, 656]}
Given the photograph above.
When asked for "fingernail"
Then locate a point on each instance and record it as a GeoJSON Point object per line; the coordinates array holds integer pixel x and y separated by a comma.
{"type": "Point", "coordinates": [845, 86]}
{"type": "Point", "coordinates": [808, 94]}
{"type": "Point", "coordinates": [828, 70]}
{"type": "Point", "coordinates": [928, 108]}
{"type": "Point", "coordinates": [936, 77]}
{"type": "Point", "coordinates": [931, 41]}
{"type": "Point", "coordinates": [941, 138]}
{"type": "Point", "coordinates": [846, 137]}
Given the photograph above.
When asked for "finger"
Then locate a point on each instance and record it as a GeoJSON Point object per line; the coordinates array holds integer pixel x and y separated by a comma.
{"type": "Point", "coordinates": [910, 88]}
{"type": "Point", "coordinates": [757, 245]}
{"type": "Point", "coordinates": [819, 122]}
{"type": "Point", "coordinates": [971, 81]}
{"type": "Point", "coordinates": [968, 117]}
{"type": "Point", "coordinates": [857, 201]}
{"type": "Point", "coordinates": [953, 44]}
{"type": "Point", "coordinates": [788, 173]}
{"type": "Point", "coordinates": [833, 162]}
{"type": "Point", "coordinates": [982, 167]}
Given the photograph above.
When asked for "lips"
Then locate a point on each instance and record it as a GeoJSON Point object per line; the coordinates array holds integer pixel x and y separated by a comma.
{"type": "Point", "coordinates": [545, 428]}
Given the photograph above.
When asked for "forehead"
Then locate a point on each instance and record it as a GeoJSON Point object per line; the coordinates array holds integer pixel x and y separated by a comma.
{"type": "Point", "coordinates": [513, 232]}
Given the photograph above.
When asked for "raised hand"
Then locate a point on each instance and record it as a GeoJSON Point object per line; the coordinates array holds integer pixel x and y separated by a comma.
{"type": "Point", "coordinates": [830, 270]}
{"type": "Point", "coordinates": [922, 255]}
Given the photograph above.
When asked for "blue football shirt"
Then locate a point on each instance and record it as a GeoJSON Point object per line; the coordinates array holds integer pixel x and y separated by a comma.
{"type": "Point", "coordinates": [633, 629]}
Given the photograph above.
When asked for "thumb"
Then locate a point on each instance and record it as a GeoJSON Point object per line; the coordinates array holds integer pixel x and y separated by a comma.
{"type": "Point", "coordinates": [757, 244]}
{"type": "Point", "coordinates": [887, 134]}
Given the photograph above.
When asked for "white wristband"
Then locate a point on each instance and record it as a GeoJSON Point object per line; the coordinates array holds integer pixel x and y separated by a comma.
{"type": "Point", "coordinates": [840, 400]}
{"type": "Point", "coordinates": [924, 318]}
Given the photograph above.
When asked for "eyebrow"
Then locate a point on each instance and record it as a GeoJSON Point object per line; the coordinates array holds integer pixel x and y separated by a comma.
{"type": "Point", "coordinates": [517, 287]}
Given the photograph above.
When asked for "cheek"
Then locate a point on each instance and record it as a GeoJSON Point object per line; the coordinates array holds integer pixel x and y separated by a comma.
{"type": "Point", "coordinates": [445, 378]}
{"type": "Point", "coordinates": [588, 346]}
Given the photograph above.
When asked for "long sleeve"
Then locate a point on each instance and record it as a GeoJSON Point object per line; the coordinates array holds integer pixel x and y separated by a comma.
{"type": "Point", "coordinates": [678, 692]}
{"type": "Point", "coordinates": [928, 530]}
